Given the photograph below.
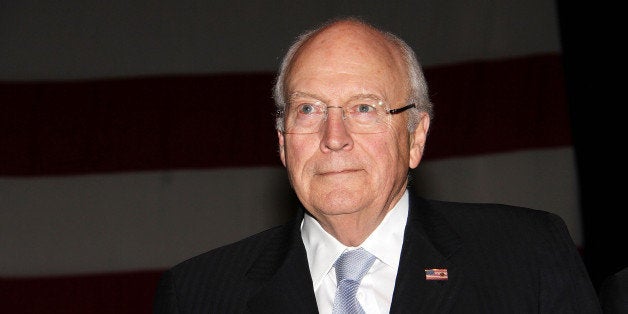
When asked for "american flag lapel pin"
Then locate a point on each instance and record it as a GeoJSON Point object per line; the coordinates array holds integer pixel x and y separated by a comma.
{"type": "Point", "coordinates": [436, 274]}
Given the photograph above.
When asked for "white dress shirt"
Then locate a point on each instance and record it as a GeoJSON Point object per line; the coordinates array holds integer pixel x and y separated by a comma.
{"type": "Point", "coordinates": [376, 288]}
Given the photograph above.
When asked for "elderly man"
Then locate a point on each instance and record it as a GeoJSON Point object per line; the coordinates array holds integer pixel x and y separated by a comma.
{"type": "Point", "coordinates": [354, 114]}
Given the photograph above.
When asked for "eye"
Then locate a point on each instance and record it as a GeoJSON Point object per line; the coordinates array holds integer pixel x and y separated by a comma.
{"type": "Point", "coordinates": [365, 108]}
{"type": "Point", "coordinates": [306, 108]}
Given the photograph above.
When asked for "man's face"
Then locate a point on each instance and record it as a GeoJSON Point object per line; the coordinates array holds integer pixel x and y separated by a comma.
{"type": "Point", "coordinates": [336, 172]}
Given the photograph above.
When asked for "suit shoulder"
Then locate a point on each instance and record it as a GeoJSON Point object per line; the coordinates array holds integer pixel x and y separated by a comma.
{"type": "Point", "coordinates": [232, 258]}
{"type": "Point", "coordinates": [219, 280]}
{"type": "Point", "coordinates": [493, 218]}
{"type": "Point", "coordinates": [492, 211]}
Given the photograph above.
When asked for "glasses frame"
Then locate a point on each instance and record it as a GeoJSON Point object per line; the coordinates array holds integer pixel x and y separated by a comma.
{"type": "Point", "coordinates": [387, 111]}
{"type": "Point", "coordinates": [400, 110]}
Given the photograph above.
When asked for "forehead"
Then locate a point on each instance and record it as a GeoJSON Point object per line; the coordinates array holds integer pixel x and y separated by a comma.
{"type": "Point", "coordinates": [347, 54]}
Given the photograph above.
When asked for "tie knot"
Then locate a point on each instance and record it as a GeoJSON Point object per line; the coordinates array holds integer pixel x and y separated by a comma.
{"type": "Point", "coordinates": [353, 265]}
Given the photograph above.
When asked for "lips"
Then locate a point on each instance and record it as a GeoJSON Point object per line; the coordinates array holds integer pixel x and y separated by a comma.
{"type": "Point", "coordinates": [337, 172]}
{"type": "Point", "coordinates": [330, 167]}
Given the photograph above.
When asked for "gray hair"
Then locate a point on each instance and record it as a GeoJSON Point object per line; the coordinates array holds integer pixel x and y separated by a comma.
{"type": "Point", "coordinates": [418, 93]}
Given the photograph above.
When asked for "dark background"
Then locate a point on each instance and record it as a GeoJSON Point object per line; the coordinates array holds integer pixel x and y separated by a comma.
{"type": "Point", "coordinates": [590, 37]}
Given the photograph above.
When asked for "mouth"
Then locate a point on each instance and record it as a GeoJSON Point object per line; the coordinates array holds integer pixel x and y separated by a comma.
{"type": "Point", "coordinates": [338, 172]}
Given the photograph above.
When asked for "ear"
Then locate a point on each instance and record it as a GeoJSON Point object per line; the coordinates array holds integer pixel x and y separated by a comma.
{"type": "Point", "coordinates": [418, 139]}
{"type": "Point", "coordinates": [282, 149]}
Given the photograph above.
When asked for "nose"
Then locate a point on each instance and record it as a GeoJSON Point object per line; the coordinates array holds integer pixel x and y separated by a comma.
{"type": "Point", "coordinates": [336, 137]}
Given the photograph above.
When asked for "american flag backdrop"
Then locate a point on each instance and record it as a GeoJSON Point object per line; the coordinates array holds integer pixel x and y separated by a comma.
{"type": "Point", "coordinates": [136, 135]}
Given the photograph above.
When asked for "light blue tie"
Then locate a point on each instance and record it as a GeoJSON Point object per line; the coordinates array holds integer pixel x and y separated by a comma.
{"type": "Point", "coordinates": [351, 266]}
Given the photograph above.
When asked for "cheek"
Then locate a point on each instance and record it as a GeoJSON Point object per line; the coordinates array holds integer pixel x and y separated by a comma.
{"type": "Point", "coordinates": [380, 156]}
{"type": "Point", "coordinates": [392, 157]}
{"type": "Point", "coordinates": [297, 153]}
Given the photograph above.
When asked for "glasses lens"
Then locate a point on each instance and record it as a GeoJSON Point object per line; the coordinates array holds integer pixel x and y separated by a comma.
{"type": "Point", "coordinates": [368, 115]}
{"type": "Point", "coordinates": [305, 116]}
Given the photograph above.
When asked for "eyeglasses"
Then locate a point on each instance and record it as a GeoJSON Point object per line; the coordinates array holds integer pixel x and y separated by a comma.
{"type": "Point", "coordinates": [361, 115]}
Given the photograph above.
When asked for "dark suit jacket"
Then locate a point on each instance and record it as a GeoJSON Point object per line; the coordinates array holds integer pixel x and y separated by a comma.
{"type": "Point", "coordinates": [614, 293]}
{"type": "Point", "coordinates": [500, 259]}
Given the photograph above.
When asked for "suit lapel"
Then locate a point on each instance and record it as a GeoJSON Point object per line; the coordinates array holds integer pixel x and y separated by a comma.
{"type": "Point", "coordinates": [284, 275]}
{"type": "Point", "coordinates": [428, 243]}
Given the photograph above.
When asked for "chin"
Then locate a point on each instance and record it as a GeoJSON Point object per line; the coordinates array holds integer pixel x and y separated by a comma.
{"type": "Point", "coordinates": [341, 201]}
{"type": "Point", "coordinates": [327, 213]}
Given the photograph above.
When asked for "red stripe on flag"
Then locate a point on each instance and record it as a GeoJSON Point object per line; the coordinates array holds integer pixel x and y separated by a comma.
{"type": "Point", "coordinates": [128, 292]}
{"type": "Point", "coordinates": [226, 120]}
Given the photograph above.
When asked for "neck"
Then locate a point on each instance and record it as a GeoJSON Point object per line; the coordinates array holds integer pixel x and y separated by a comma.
{"type": "Point", "coordinates": [351, 230]}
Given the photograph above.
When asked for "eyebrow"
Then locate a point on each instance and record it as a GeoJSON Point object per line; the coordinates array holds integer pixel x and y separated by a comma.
{"type": "Point", "coordinates": [303, 94]}
{"type": "Point", "coordinates": [314, 96]}
{"type": "Point", "coordinates": [365, 96]}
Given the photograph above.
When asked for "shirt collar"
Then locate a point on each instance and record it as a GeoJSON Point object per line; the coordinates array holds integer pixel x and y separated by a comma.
{"type": "Point", "coordinates": [384, 242]}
